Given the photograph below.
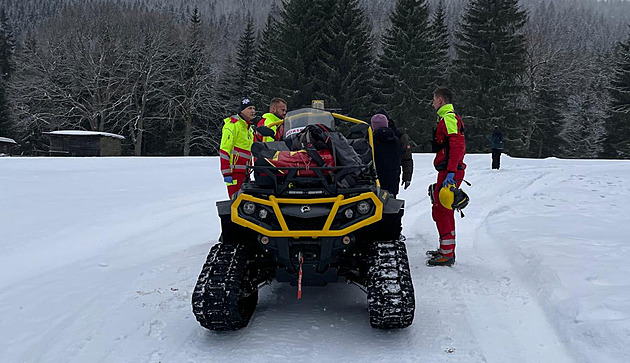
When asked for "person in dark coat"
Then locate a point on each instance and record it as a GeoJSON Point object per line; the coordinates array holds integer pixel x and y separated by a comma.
{"type": "Point", "coordinates": [496, 144]}
{"type": "Point", "coordinates": [407, 159]}
{"type": "Point", "coordinates": [387, 154]}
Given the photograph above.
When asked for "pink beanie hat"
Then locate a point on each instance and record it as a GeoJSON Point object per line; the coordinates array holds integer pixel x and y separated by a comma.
{"type": "Point", "coordinates": [379, 121]}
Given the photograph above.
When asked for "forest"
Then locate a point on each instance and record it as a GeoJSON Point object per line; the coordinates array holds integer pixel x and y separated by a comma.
{"type": "Point", "coordinates": [554, 75]}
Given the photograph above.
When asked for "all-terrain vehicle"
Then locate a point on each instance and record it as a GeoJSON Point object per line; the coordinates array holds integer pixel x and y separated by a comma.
{"type": "Point", "coordinates": [312, 212]}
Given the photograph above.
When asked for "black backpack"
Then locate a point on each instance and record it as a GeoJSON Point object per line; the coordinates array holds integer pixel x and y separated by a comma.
{"type": "Point", "coordinates": [313, 137]}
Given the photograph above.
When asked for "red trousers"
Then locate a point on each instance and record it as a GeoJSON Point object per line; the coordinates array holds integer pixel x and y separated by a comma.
{"type": "Point", "coordinates": [237, 183]}
{"type": "Point", "coordinates": [445, 218]}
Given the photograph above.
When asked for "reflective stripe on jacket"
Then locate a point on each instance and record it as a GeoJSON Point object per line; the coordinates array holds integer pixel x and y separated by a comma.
{"type": "Point", "coordinates": [236, 145]}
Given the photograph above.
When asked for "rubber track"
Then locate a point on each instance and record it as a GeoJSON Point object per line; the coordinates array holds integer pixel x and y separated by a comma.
{"type": "Point", "coordinates": [216, 298]}
{"type": "Point", "coordinates": [391, 301]}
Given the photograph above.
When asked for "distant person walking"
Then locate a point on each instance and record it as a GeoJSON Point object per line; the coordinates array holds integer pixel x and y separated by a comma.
{"type": "Point", "coordinates": [405, 147]}
{"type": "Point", "coordinates": [496, 144]}
{"type": "Point", "coordinates": [236, 145]}
{"type": "Point", "coordinates": [449, 146]}
{"type": "Point", "coordinates": [387, 154]}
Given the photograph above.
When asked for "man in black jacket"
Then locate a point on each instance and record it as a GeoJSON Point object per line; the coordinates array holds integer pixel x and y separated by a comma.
{"type": "Point", "coordinates": [387, 154]}
{"type": "Point", "coordinates": [407, 158]}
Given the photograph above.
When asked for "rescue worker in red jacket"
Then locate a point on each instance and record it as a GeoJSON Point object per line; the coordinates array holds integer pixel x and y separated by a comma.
{"type": "Point", "coordinates": [450, 147]}
{"type": "Point", "coordinates": [236, 145]}
{"type": "Point", "coordinates": [277, 111]}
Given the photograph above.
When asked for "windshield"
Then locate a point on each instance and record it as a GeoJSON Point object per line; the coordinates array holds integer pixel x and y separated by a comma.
{"type": "Point", "coordinates": [296, 120]}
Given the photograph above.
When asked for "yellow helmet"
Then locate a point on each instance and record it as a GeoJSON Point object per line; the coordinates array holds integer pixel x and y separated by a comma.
{"type": "Point", "coordinates": [451, 197]}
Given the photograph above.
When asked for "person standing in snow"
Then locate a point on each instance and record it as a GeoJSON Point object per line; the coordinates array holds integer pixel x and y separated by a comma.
{"type": "Point", "coordinates": [277, 111]}
{"type": "Point", "coordinates": [449, 146]}
{"type": "Point", "coordinates": [387, 154]}
{"type": "Point", "coordinates": [236, 144]}
{"type": "Point", "coordinates": [496, 144]}
{"type": "Point", "coordinates": [407, 158]}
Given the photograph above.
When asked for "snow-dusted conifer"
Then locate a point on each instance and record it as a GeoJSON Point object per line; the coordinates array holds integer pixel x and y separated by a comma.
{"type": "Point", "coordinates": [7, 49]}
{"type": "Point", "coordinates": [245, 57]}
{"type": "Point", "coordinates": [197, 111]}
{"type": "Point", "coordinates": [344, 74]}
{"type": "Point", "coordinates": [267, 68]}
{"type": "Point", "coordinates": [618, 121]}
{"type": "Point", "coordinates": [237, 80]}
{"type": "Point", "coordinates": [300, 36]}
{"type": "Point", "coordinates": [584, 131]}
{"type": "Point", "coordinates": [487, 73]}
{"type": "Point", "coordinates": [7, 45]}
{"type": "Point", "coordinates": [406, 78]}
{"type": "Point", "coordinates": [442, 44]}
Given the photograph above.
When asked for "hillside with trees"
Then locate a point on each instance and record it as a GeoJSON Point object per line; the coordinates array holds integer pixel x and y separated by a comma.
{"type": "Point", "coordinates": [164, 73]}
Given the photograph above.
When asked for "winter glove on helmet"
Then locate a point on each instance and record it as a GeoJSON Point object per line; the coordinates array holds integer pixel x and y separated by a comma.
{"type": "Point", "coordinates": [449, 179]}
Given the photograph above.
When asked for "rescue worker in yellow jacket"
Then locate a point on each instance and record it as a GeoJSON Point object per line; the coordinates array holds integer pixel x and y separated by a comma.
{"type": "Point", "coordinates": [236, 145]}
{"type": "Point", "coordinates": [277, 111]}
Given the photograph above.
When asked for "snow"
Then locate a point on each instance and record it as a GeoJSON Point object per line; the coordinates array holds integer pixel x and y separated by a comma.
{"type": "Point", "coordinates": [99, 256]}
{"type": "Point", "coordinates": [7, 140]}
{"type": "Point", "coordinates": [84, 133]}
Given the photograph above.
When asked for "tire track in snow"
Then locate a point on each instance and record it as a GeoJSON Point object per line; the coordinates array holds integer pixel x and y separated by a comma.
{"type": "Point", "coordinates": [455, 301]}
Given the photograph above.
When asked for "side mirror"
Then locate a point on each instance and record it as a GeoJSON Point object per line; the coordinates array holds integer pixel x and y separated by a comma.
{"type": "Point", "coordinates": [265, 131]}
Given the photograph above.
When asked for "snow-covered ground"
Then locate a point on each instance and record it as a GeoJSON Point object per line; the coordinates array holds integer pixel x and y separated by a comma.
{"type": "Point", "coordinates": [99, 256]}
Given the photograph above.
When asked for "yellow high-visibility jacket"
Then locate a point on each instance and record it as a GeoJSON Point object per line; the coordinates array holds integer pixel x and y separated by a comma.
{"type": "Point", "coordinates": [266, 120]}
{"type": "Point", "coordinates": [236, 145]}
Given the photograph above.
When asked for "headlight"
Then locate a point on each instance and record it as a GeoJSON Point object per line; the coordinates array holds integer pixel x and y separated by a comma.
{"type": "Point", "coordinates": [363, 207]}
{"type": "Point", "coordinates": [349, 213]}
{"type": "Point", "coordinates": [249, 208]}
{"type": "Point", "coordinates": [262, 214]}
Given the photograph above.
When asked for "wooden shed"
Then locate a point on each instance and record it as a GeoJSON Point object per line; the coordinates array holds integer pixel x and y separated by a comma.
{"type": "Point", "coordinates": [84, 143]}
{"type": "Point", "coordinates": [6, 145]}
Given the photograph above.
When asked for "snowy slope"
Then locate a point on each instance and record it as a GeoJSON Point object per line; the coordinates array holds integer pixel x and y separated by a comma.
{"type": "Point", "coordinates": [98, 258]}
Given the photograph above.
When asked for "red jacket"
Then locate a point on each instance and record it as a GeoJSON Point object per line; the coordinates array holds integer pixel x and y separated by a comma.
{"type": "Point", "coordinates": [449, 142]}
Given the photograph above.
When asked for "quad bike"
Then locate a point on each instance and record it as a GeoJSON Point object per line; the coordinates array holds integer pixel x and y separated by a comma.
{"type": "Point", "coordinates": [312, 213]}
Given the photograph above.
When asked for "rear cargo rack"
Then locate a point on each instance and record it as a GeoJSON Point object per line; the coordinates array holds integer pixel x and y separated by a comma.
{"type": "Point", "coordinates": [328, 180]}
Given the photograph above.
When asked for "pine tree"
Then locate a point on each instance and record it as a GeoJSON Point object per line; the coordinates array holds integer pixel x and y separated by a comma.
{"type": "Point", "coordinates": [192, 78]}
{"type": "Point", "coordinates": [408, 70]}
{"type": "Point", "coordinates": [488, 70]}
{"type": "Point", "coordinates": [618, 120]}
{"type": "Point", "coordinates": [344, 73]}
{"type": "Point", "coordinates": [238, 79]}
{"type": "Point", "coordinates": [548, 107]}
{"type": "Point", "coordinates": [267, 68]}
{"type": "Point", "coordinates": [585, 130]}
{"type": "Point", "coordinates": [245, 59]}
{"type": "Point", "coordinates": [7, 46]}
{"type": "Point", "coordinates": [300, 34]}
{"type": "Point", "coordinates": [7, 49]}
{"type": "Point", "coordinates": [442, 44]}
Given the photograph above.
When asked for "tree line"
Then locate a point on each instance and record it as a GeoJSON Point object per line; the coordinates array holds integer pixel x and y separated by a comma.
{"type": "Point", "coordinates": [554, 76]}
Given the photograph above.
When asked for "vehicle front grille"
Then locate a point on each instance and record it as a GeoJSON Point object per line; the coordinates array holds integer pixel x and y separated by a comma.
{"type": "Point", "coordinates": [306, 224]}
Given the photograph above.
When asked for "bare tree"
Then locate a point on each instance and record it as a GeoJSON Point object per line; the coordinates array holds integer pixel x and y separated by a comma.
{"type": "Point", "coordinates": [196, 103]}
{"type": "Point", "coordinates": [72, 73]}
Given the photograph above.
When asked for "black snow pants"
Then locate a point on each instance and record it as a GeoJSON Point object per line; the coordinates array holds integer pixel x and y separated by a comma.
{"type": "Point", "coordinates": [496, 158]}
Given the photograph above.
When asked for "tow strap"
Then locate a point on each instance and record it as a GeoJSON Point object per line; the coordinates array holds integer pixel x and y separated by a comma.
{"type": "Point", "coordinates": [301, 260]}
